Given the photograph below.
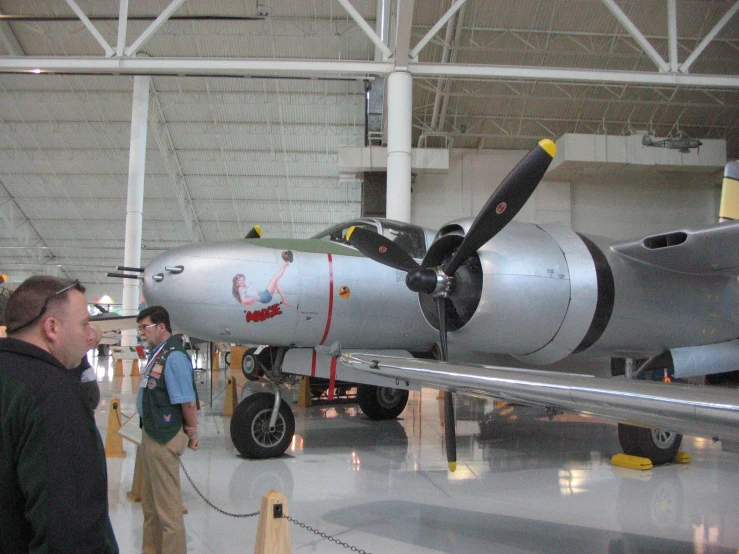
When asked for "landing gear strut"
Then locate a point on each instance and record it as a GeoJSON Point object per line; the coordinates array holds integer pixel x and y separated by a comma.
{"type": "Point", "coordinates": [658, 445]}
{"type": "Point", "coordinates": [263, 425]}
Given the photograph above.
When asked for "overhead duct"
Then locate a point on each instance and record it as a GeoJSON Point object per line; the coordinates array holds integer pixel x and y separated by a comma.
{"type": "Point", "coordinates": [375, 105]}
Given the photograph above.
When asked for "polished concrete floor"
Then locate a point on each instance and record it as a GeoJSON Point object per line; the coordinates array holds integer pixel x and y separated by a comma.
{"type": "Point", "coordinates": [526, 484]}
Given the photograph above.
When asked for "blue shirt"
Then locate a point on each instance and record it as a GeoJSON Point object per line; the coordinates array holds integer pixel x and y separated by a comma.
{"type": "Point", "coordinates": [177, 378]}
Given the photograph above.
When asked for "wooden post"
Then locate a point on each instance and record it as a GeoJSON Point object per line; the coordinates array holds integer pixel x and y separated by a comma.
{"type": "Point", "coordinates": [237, 353]}
{"type": "Point", "coordinates": [304, 399]}
{"type": "Point", "coordinates": [230, 402]}
{"type": "Point", "coordinates": [118, 370]}
{"type": "Point", "coordinates": [113, 440]}
{"type": "Point", "coordinates": [135, 369]}
{"type": "Point", "coordinates": [215, 357]}
{"type": "Point", "coordinates": [135, 493]}
{"type": "Point", "coordinates": [273, 531]}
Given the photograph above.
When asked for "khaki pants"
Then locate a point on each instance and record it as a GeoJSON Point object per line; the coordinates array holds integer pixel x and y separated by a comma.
{"type": "Point", "coordinates": [161, 497]}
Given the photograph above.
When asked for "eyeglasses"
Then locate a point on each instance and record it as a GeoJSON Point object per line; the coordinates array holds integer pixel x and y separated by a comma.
{"type": "Point", "coordinates": [74, 285]}
{"type": "Point", "coordinates": [142, 328]}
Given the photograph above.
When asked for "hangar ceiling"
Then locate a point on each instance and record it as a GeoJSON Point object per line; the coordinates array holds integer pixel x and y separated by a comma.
{"type": "Point", "coordinates": [251, 99]}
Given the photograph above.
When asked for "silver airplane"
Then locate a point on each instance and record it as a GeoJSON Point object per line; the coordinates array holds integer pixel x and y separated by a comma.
{"type": "Point", "coordinates": [540, 293]}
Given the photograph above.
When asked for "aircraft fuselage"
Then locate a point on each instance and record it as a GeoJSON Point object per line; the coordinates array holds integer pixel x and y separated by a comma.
{"type": "Point", "coordinates": [331, 293]}
{"type": "Point", "coordinates": [546, 293]}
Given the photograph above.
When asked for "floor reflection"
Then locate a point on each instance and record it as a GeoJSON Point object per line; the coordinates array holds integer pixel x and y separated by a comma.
{"type": "Point", "coordinates": [456, 530]}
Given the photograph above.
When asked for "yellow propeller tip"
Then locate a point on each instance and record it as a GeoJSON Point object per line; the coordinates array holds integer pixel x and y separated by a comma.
{"type": "Point", "coordinates": [452, 466]}
{"type": "Point", "coordinates": [548, 146]}
{"type": "Point", "coordinates": [350, 231]}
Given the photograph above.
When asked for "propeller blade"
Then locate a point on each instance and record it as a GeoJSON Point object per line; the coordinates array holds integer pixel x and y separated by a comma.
{"type": "Point", "coordinates": [254, 233]}
{"type": "Point", "coordinates": [450, 431]}
{"type": "Point", "coordinates": [380, 249]}
{"type": "Point", "coordinates": [441, 312]}
{"type": "Point", "coordinates": [505, 202]}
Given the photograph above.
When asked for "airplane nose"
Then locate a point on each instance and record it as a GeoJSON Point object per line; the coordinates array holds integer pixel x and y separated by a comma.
{"type": "Point", "coordinates": [158, 276]}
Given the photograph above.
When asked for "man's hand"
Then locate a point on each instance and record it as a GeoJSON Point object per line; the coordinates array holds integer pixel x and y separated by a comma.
{"type": "Point", "coordinates": [193, 443]}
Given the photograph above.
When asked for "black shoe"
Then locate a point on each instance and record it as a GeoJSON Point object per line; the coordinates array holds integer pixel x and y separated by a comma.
{"type": "Point", "coordinates": [287, 255]}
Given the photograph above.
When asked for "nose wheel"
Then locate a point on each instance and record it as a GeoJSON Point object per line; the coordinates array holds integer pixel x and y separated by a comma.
{"type": "Point", "coordinates": [252, 431]}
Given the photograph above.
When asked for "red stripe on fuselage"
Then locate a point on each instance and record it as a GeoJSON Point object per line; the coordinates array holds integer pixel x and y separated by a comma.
{"type": "Point", "coordinates": [330, 297]}
{"type": "Point", "coordinates": [332, 379]}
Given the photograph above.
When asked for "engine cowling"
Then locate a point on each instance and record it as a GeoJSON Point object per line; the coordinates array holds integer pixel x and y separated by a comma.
{"type": "Point", "coordinates": [538, 307]}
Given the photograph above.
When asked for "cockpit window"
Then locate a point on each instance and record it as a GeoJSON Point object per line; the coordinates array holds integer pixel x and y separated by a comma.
{"type": "Point", "coordinates": [409, 237]}
{"type": "Point", "coordinates": [337, 233]}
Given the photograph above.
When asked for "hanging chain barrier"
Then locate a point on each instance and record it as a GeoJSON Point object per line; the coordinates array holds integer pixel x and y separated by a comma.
{"type": "Point", "coordinates": [290, 519]}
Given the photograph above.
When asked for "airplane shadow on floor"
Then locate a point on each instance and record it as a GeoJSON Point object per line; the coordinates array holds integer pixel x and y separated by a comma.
{"type": "Point", "coordinates": [517, 437]}
{"type": "Point", "coordinates": [457, 530]}
{"type": "Point", "coordinates": [386, 439]}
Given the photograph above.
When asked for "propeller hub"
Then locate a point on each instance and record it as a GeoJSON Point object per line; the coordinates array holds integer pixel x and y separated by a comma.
{"type": "Point", "coordinates": [423, 280]}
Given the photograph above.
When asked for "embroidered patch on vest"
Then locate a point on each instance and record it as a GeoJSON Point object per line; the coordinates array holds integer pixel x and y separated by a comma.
{"type": "Point", "coordinates": [167, 417]}
{"type": "Point", "coordinates": [151, 383]}
{"type": "Point", "coordinates": [156, 371]}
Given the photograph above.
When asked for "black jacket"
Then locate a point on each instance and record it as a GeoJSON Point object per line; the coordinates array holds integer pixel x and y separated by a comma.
{"type": "Point", "coordinates": [53, 477]}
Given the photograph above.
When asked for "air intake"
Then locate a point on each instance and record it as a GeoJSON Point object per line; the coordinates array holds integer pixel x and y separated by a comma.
{"type": "Point", "coordinates": [663, 241]}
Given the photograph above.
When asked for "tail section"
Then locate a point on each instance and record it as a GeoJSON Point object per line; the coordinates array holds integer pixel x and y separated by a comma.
{"type": "Point", "coordinates": [729, 209]}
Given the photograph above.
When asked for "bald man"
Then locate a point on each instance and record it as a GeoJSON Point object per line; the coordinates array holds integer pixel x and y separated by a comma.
{"type": "Point", "coordinates": [53, 475]}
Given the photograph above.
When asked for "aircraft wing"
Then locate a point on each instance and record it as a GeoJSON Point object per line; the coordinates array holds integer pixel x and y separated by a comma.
{"type": "Point", "coordinates": [689, 409]}
{"type": "Point", "coordinates": [709, 250]}
{"type": "Point", "coordinates": [114, 322]}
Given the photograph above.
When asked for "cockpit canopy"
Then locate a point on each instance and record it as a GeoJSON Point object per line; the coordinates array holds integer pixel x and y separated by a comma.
{"type": "Point", "coordinates": [411, 238]}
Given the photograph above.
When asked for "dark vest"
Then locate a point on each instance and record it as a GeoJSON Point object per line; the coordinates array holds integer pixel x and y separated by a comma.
{"type": "Point", "coordinates": [162, 420]}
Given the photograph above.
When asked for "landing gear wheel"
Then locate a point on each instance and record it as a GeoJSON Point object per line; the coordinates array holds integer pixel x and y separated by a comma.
{"type": "Point", "coordinates": [656, 444]}
{"type": "Point", "coordinates": [250, 430]}
{"type": "Point", "coordinates": [250, 365]}
{"type": "Point", "coordinates": [381, 402]}
{"type": "Point", "coordinates": [227, 358]}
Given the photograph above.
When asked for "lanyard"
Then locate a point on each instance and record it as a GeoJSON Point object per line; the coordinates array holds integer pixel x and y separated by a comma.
{"type": "Point", "coordinates": [153, 356]}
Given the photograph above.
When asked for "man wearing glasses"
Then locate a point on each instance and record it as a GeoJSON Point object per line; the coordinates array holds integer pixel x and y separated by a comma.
{"type": "Point", "coordinates": [53, 477]}
{"type": "Point", "coordinates": [167, 404]}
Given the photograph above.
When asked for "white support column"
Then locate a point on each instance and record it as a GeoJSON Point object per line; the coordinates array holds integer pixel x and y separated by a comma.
{"type": "Point", "coordinates": [400, 103]}
{"type": "Point", "coordinates": [135, 207]}
{"type": "Point", "coordinates": [122, 28]}
{"type": "Point", "coordinates": [382, 25]}
{"type": "Point", "coordinates": [672, 34]}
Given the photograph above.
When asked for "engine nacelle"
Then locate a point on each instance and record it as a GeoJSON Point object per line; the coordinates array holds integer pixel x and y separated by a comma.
{"type": "Point", "coordinates": [536, 305]}
{"type": "Point", "coordinates": [568, 294]}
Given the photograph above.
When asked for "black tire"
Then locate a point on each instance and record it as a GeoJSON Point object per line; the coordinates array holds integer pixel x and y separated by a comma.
{"type": "Point", "coordinates": [249, 427]}
{"type": "Point", "coordinates": [659, 446]}
{"type": "Point", "coordinates": [381, 402]}
{"type": "Point", "coordinates": [251, 366]}
{"type": "Point", "coordinates": [227, 358]}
